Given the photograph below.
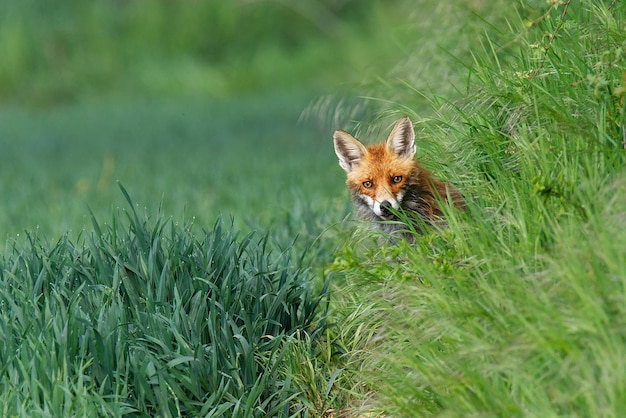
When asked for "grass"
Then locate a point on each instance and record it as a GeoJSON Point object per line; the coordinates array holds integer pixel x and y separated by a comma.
{"type": "Point", "coordinates": [513, 309]}
{"type": "Point", "coordinates": [221, 161]}
{"type": "Point", "coordinates": [163, 310]}
{"type": "Point", "coordinates": [146, 318]}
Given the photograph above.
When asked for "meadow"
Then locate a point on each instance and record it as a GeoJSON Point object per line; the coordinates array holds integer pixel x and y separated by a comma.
{"type": "Point", "coordinates": [179, 240]}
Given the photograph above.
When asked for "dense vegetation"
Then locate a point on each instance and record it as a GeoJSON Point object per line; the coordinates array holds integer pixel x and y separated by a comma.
{"type": "Point", "coordinates": [143, 317]}
{"type": "Point", "coordinates": [515, 309]}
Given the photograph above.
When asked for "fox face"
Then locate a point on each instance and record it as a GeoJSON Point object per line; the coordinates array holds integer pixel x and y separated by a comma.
{"type": "Point", "coordinates": [384, 178]}
{"type": "Point", "coordinates": [378, 175]}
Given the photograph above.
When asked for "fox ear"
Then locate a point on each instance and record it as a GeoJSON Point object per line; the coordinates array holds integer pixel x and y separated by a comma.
{"type": "Point", "coordinates": [402, 138]}
{"type": "Point", "coordinates": [348, 149]}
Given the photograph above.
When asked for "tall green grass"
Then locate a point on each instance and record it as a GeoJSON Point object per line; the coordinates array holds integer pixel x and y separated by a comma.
{"type": "Point", "coordinates": [146, 318]}
{"type": "Point", "coordinates": [515, 309]}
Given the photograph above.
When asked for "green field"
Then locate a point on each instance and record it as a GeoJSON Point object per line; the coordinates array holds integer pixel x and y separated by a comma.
{"type": "Point", "coordinates": [176, 229]}
{"type": "Point", "coordinates": [248, 158]}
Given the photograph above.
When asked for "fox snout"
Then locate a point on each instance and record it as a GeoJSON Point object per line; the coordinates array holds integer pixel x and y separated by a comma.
{"type": "Point", "coordinates": [385, 207]}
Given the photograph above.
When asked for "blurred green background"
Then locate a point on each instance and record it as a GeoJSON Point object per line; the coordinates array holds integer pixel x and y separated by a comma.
{"type": "Point", "coordinates": [58, 52]}
{"type": "Point", "coordinates": [194, 106]}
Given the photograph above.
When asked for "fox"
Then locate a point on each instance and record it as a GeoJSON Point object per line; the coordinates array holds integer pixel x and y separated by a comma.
{"type": "Point", "coordinates": [385, 180]}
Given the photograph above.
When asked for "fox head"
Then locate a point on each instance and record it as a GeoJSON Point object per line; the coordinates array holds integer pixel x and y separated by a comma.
{"type": "Point", "coordinates": [379, 175]}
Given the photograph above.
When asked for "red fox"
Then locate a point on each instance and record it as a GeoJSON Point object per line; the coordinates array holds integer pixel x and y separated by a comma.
{"type": "Point", "coordinates": [384, 179]}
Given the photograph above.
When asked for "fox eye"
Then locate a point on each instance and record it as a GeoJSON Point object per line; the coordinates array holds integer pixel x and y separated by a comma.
{"type": "Point", "coordinates": [368, 184]}
{"type": "Point", "coordinates": [396, 179]}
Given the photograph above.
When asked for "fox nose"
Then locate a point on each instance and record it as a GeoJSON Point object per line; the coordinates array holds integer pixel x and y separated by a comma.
{"type": "Point", "coordinates": [385, 205]}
